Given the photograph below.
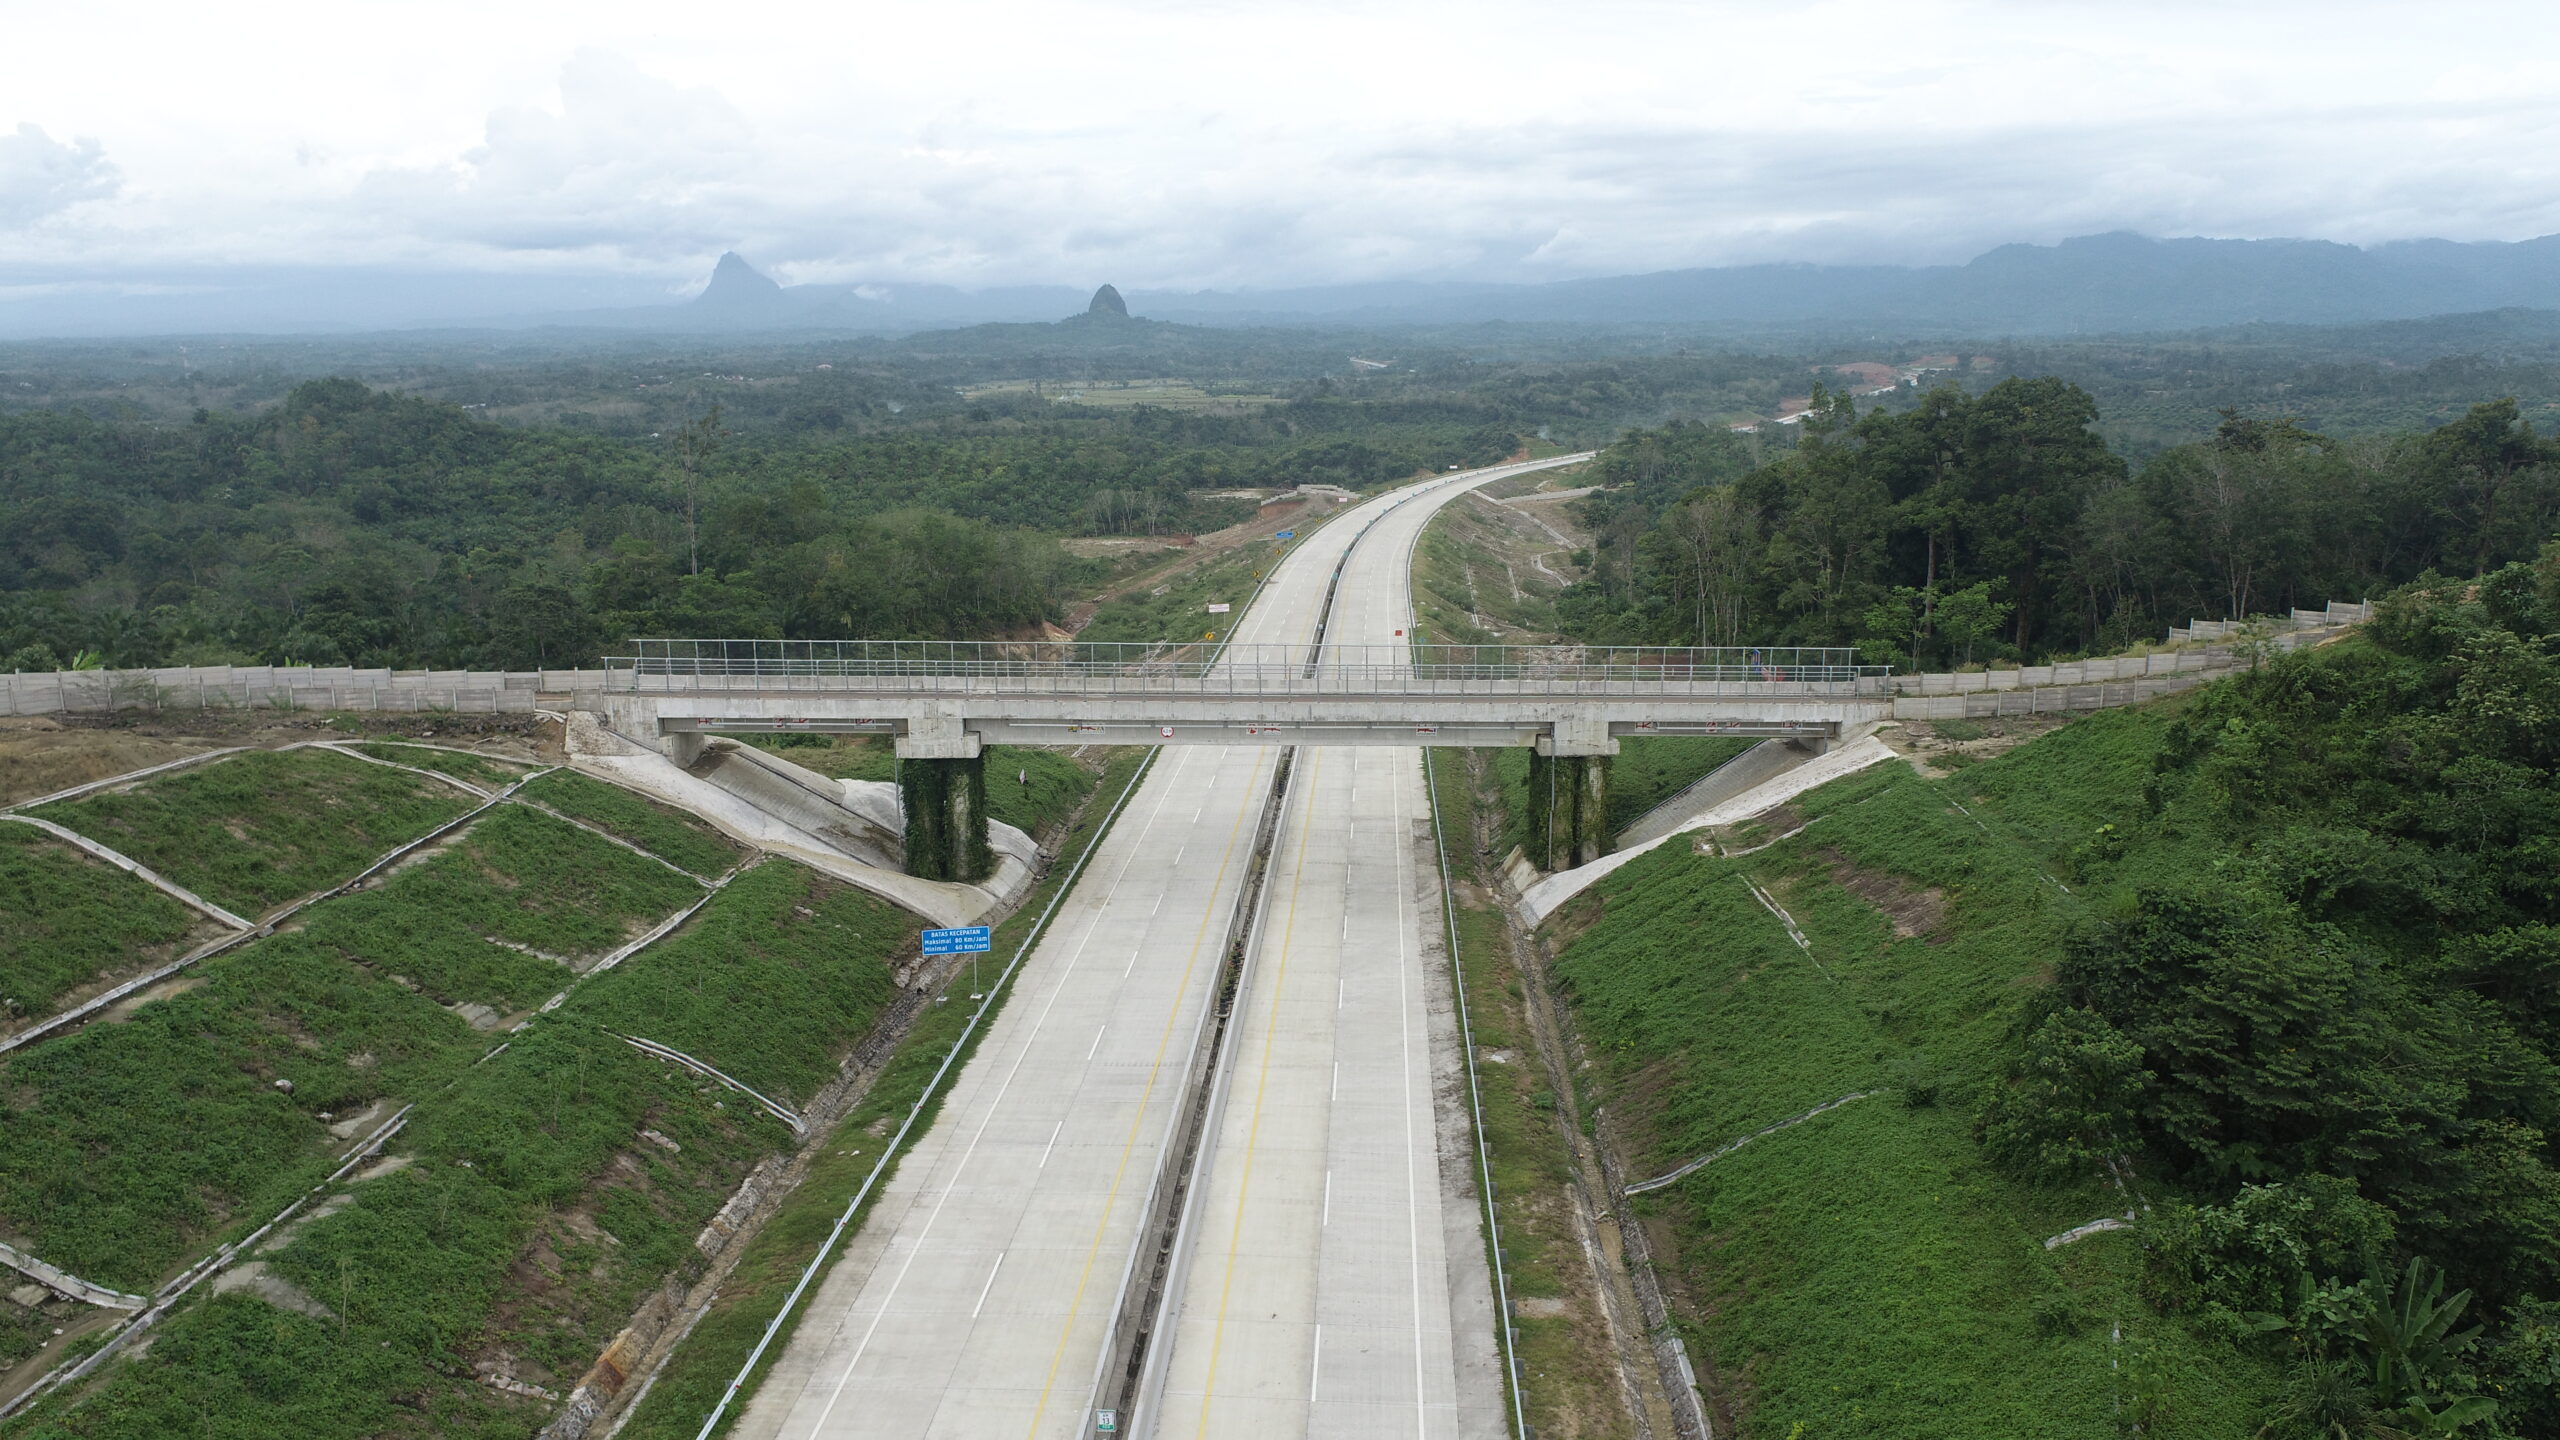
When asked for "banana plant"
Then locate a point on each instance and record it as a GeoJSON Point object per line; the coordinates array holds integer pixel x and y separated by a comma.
{"type": "Point", "coordinates": [2410, 1336]}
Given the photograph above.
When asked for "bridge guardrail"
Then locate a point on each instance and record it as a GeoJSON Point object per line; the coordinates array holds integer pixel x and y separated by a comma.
{"type": "Point", "coordinates": [1223, 668]}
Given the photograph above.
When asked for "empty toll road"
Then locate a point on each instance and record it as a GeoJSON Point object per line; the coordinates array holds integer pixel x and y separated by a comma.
{"type": "Point", "coordinates": [977, 1298]}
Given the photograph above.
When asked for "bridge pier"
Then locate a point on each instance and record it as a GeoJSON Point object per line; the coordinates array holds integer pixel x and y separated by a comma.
{"type": "Point", "coordinates": [942, 788]}
{"type": "Point", "coordinates": [946, 811]}
{"type": "Point", "coordinates": [1568, 809]}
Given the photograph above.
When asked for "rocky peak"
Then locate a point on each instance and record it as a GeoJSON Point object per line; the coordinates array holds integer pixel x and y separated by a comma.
{"type": "Point", "coordinates": [735, 284]}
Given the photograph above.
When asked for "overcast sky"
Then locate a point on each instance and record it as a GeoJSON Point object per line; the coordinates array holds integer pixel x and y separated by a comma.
{"type": "Point", "coordinates": [1200, 143]}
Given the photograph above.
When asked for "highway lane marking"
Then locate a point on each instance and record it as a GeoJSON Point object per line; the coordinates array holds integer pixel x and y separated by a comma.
{"type": "Point", "coordinates": [1052, 1145]}
{"type": "Point", "coordinates": [990, 1285]}
{"type": "Point", "coordinates": [1261, 1089]}
{"type": "Point", "coordinates": [1315, 1363]}
{"type": "Point", "coordinates": [1096, 1045]}
{"type": "Point", "coordinates": [1328, 1184]}
{"type": "Point", "coordinates": [934, 1216]}
{"type": "Point", "coordinates": [1137, 1120]}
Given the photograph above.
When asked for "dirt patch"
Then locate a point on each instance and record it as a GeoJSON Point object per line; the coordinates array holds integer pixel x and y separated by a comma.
{"type": "Point", "coordinates": [1198, 551]}
{"type": "Point", "coordinates": [39, 756]}
{"type": "Point", "coordinates": [1757, 833]}
{"type": "Point", "coordinates": [1916, 912]}
{"type": "Point", "coordinates": [1939, 748]}
{"type": "Point", "coordinates": [1115, 546]}
{"type": "Point", "coordinates": [1572, 918]}
{"type": "Point", "coordinates": [165, 990]}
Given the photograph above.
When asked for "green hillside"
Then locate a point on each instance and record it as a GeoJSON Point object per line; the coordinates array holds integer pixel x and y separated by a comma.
{"type": "Point", "coordinates": [2266, 969]}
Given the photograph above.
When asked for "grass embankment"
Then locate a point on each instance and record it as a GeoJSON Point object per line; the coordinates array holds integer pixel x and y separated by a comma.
{"type": "Point", "coordinates": [1181, 611]}
{"type": "Point", "coordinates": [758, 984]}
{"type": "Point", "coordinates": [551, 1188]}
{"type": "Point", "coordinates": [260, 828]}
{"type": "Point", "coordinates": [127, 1146]}
{"type": "Point", "coordinates": [668, 833]}
{"type": "Point", "coordinates": [71, 920]}
{"type": "Point", "coordinates": [1476, 579]}
{"type": "Point", "coordinates": [1867, 1272]}
{"type": "Point", "coordinates": [1644, 773]}
{"type": "Point", "coordinates": [696, 1374]}
{"type": "Point", "coordinates": [1050, 786]}
{"type": "Point", "coordinates": [502, 916]}
{"type": "Point", "coordinates": [486, 771]}
{"type": "Point", "coordinates": [1566, 1358]}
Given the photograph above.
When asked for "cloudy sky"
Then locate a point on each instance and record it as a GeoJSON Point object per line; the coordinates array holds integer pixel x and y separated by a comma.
{"type": "Point", "coordinates": [1214, 143]}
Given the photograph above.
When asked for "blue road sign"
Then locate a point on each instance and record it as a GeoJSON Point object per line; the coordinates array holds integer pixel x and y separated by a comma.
{"type": "Point", "coordinates": [968, 940]}
{"type": "Point", "coordinates": [1286, 535]}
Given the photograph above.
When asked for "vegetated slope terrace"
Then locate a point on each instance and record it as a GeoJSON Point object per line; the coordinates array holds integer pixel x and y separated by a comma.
{"type": "Point", "coordinates": [541, 1186]}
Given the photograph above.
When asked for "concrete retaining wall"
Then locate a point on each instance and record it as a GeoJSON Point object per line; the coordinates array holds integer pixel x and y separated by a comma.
{"type": "Point", "coordinates": [338, 687]}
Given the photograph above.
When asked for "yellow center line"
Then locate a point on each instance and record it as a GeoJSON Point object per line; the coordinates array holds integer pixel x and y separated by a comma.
{"type": "Point", "coordinates": [1261, 1086]}
{"type": "Point", "coordinates": [1155, 1070]}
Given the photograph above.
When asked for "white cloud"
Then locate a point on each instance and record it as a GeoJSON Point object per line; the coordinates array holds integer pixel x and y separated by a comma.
{"type": "Point", "coordinates": [629, 165]}
{"type": "Point", "coordinates": [1188, 143]}
{"type": "Point", "coordinates": [42, 176]}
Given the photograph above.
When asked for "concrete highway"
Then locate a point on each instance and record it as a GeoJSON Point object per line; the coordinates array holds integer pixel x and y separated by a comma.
{"type": "Point", "coordinates": [1335, 1281]}
{"type": "Point", "coordinates": [977, 1298]}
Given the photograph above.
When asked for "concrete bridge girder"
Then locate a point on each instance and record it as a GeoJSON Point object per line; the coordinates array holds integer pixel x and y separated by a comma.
{"type": "Point", "coordinates": [941, 740]}
{"type": "Point", "coordinates": [955, 729]}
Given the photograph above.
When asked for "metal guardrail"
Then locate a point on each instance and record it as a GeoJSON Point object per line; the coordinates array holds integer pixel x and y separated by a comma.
{"type": "Point", "coordinates": [1220, 668]}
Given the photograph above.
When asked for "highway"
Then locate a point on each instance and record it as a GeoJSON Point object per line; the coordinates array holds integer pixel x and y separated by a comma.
{"type": "Point", "coordinates": [977, 1298]}
{"type": "Point", "coordinates": [1319, 1296]}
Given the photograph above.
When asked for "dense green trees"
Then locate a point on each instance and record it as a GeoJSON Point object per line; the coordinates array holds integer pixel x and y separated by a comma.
{"type": "Point", "coordinates": [1971, 527]}
{"type": "Point", "coordinates": [2321, 1000]}
{"type": "Point", "coordinates": [353, 526]}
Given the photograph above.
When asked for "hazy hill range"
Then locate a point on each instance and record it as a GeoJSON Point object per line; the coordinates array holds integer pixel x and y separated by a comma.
{"type": "Point", "coordinates": [2099, 284]}
{"type": "Point", "coordinates": [2096, 284]}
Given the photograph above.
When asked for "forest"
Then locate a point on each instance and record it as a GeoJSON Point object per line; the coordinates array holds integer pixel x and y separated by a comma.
{"type": "Point", "coordinates": [1969, 528]}
{"type": "Point", "coordinates": [354, 526]}
{"type": "Point", "coordinates": [533, 501]}
{"type": "Point", "coordinates": [2320, 1002]}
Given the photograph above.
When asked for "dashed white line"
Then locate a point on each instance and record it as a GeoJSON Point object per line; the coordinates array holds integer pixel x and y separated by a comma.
{"type": "Point", "coordinates": [1096, 1047]}
{"type": "Point", "coordinates": [1093, 922]}
{"type": "Point", "coordinates": [990, 1285]}
{"type": "Point", "coordinates": [1052, 1145]}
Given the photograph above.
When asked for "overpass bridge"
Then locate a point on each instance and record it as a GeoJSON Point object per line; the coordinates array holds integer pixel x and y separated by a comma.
{"type": "Point", "coordinates": [946, 699]}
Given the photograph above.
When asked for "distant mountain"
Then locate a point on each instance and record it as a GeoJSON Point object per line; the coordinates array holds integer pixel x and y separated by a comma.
{"type": "Point", "coordinates": [738, 288]}
{"type": "Point", "coordinates": [2097, 284]}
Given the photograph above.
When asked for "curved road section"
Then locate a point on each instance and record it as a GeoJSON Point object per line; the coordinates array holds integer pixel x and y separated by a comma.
{"type": "Point", "coordinates": [1328, 1276]}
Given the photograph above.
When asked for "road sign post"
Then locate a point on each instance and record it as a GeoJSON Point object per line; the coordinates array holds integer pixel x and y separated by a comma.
{"type": "Point", "coordinates": [970, 940]}
{"type": "Point", "coordinates": [965, 940]}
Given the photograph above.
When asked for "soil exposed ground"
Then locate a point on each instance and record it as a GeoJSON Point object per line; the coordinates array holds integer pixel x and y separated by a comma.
{"type": "Point", "coordinates": [1271, 519]}
{"type": "Point", "coordinates": [1490, 569]}
{"type": "Point", "coordinates": [41, 754]}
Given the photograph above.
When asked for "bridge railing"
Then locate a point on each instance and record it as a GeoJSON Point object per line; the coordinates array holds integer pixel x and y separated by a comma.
{"type": "Point", "coordinates": [1211, 668]}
